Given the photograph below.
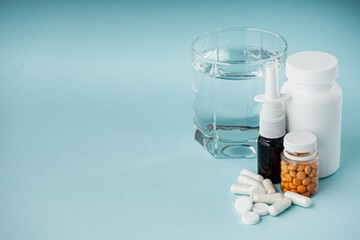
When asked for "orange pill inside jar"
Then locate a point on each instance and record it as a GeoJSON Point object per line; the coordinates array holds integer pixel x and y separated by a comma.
{"type": "Point", "coordinates": [299, 163]}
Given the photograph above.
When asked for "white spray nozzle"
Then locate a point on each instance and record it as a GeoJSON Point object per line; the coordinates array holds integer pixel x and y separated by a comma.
{"type": "Point", "coordinates": [271, 83]}
{"type": "Point", "coordinates": [272, 117]}
{"type": "Point", "coordinates": [271, 94]}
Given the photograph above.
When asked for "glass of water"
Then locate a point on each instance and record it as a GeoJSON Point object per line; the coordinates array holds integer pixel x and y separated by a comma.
{"type": "Point", "coordinates": [228, 72]}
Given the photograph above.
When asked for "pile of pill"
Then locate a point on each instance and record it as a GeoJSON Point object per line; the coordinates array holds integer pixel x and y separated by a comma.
{"type": "Point", "coordinates": [262, 192]}
{"type": "Point", "coordinates": [301, 179]}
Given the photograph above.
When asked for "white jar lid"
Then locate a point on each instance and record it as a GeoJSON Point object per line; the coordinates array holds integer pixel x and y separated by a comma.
{"type": "Point", "coordinates": [300, 142]}
{"type": "Point", "coordinates": [312, 67]}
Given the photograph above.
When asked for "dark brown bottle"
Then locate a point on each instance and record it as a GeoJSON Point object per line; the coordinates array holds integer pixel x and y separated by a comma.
{"type": "Point", "coordinates": [269, 151]}
{"type": "Point", "coordinates": [271, 126]}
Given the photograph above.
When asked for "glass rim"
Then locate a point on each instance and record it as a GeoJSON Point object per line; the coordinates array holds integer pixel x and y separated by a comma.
{"type": "Point", "coordinates": [278, 55]}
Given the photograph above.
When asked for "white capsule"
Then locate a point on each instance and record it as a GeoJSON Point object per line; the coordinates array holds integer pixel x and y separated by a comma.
{"type": "Point", "coordinates": [256, 189]}
{"type": "Point", "coordinates": [248, 180]}
{"type": "Point", "coordinates": [240, 189]}
{"type": "Point", "coordinates": [298, 199]}
{"type": "Point", "coordinates": [268, 198]}
{"type": "Point", "coordinates": [251, 174]}
{"type": "Point", "coordinates": [269, 186]}
{"type": "Point", "coordinates": [279, 206]}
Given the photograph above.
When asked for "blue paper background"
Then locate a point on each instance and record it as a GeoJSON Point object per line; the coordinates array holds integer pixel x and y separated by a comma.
{"type": "Point", "coordinates": [96, 135]}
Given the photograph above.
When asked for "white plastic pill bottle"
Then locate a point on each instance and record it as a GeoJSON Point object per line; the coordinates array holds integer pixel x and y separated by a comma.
{"type": "Point", "coordinates": [315, 104]}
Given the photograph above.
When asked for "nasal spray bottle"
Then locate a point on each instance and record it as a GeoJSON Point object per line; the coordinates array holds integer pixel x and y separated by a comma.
{"type": "Point", "coordinates": [272, 126]}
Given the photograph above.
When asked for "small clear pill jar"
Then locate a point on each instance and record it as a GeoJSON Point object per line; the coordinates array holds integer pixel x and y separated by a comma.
{"type": "Point", "coordinates": [299, 163]}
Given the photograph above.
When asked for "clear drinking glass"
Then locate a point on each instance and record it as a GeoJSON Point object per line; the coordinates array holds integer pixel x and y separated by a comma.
{"type": "Point", "coordinates": [228, 72]}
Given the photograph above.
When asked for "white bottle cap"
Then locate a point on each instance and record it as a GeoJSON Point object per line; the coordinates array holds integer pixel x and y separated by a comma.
{"type": "Point", "coordinates": [300, 142]}
{"type": "Point", "coordinates": [312, 67]}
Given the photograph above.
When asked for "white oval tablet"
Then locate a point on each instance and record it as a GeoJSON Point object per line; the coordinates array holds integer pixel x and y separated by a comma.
{"type": "Point", "coordinates": [257, 189]}
{"type": "Point", "coordinates": [250, 218]}
{"type": "Point", "coordinates": [243, 204]}
{"type": "Point", "coordinates": [261, 208]}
